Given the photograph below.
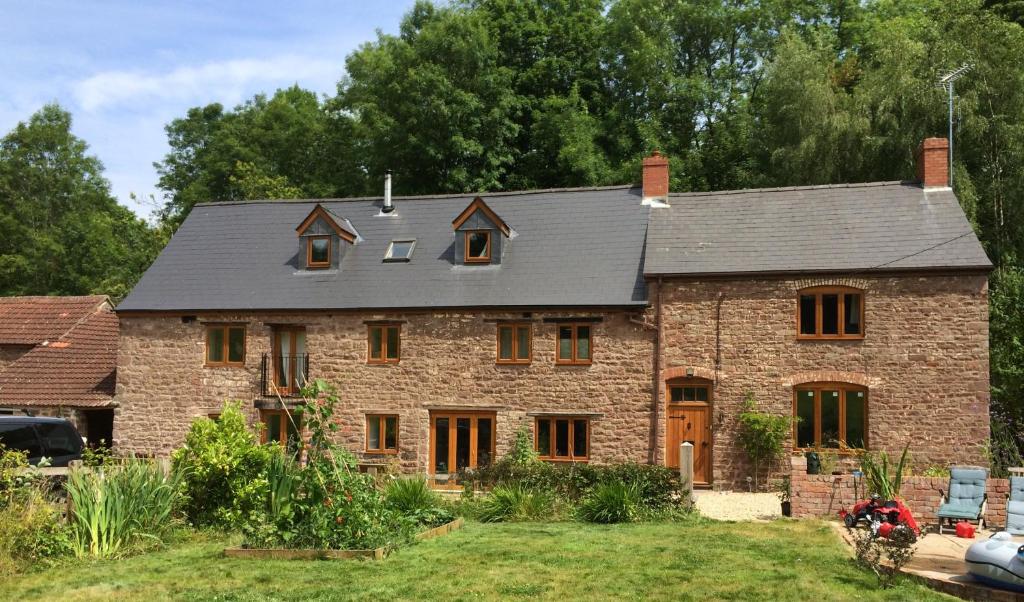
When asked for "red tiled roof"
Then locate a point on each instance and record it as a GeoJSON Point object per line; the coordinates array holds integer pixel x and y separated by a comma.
{"type": "Point", "coordinates": [32, 320]}
{"type": "Point", "coordinates": [77, 369]}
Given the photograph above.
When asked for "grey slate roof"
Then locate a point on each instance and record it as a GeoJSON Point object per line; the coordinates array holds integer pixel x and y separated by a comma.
{"type": "Point", "coordinates": [841, 228]}
{"type": "Point", "coordinates": [571, 248]}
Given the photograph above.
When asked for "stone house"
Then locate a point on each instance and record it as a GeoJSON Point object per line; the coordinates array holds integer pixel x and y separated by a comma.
{"type": "Point", "coordinates": [58, 357]}
{"type": "Point", "coordinates": [614, 323]}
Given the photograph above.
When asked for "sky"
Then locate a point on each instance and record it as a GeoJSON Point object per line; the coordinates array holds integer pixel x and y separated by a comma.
{"type": "Point", "coordinates": [124, 69]}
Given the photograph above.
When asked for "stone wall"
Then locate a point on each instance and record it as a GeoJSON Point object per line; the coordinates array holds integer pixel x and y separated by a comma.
{"type": "Point", "coordinates": [924, 359]}
{"type": "Point", "coordinates": [447, 361]}
{"type": "Point", "coordinates": [822, 496]}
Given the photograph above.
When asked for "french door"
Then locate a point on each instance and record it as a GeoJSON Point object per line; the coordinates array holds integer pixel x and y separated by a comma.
{"type": "Point", "coordinates": [460, 440]}
{"type": "Point", "coordinates": [289, 359]}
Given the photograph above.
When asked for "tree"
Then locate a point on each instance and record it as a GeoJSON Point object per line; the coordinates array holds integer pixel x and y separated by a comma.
{"type": "Point", "coordinates": [61, 231]}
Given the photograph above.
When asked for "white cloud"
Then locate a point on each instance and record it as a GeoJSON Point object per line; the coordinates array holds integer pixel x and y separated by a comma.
{"type": "Point", "coordinates": [225, 81]}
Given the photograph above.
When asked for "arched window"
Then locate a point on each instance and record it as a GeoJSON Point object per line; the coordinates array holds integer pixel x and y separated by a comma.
{"type": "Point", "coordinates": [830, 416]}
{"type": "Point", "coordinates": [830, 312]}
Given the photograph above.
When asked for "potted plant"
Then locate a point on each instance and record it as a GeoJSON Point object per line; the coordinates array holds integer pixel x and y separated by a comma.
{"type": "Point", "coordinates": [785, 496]}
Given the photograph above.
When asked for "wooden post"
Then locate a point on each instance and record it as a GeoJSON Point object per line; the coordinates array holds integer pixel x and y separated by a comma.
{"type": "Point", "coordinates": [686, 467]}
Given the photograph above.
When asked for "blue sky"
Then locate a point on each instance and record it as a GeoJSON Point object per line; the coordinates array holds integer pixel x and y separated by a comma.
{"type": "Point", "coordinates": [126, 68]}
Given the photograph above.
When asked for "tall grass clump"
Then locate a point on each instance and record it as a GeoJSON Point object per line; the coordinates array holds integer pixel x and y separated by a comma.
{"type": "Point", "coordinates": [515, 503]}
{"type": "Point", "coordinates": [116, 508]}
{"type": "Point", "coordinates": [883, 477]}
{"type": "Point", "coordinates": [611, 502]}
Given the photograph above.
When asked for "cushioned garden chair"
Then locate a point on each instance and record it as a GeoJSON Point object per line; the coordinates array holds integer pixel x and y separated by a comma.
{"type": "Point", "coordinates": [966, 497]}
{"type": "Point", "coordinates": [1015, 506]}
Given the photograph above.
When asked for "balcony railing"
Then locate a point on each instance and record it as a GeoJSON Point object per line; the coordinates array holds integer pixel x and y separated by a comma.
{"type": "Point", "coordinates": [283, 375]}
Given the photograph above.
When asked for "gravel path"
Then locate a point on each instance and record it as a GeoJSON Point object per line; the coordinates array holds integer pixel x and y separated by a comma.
{"type": "Point", "coordinates": [728, 505]}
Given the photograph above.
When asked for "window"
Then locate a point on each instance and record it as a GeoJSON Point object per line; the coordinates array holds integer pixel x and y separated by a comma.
{"type": "Point", "coordinates": [381, 434]}
{"type": "Point", "coordinates": [290, 360]}
{"type": "Point", "coordinates": [478, 246]}
{"type": "Point", "coordinates": [689, 393]}
{"type": "Point", "coordinates": [833, 313]}
{"type": "Point", "coordinates": [384, 342]}
{"type": "Point", "coordinates": [399, 250]}
{"type": "Point", "coordinates": [21, 437]}
{"type": "Point", "coordinates": [831, 416]}
{"type": "Point", "coordinates": [282, 427]}
{"type": "Point", "coordinates": [573, 344]}
{"type": "Point", "coordinates": [563, 438]}
{"type": "Point", "coordinates": [515, 344]}
{"type": "Point", "coordinates": [318, 252]}
{"type": "Point", "coordinates": [225, 345]}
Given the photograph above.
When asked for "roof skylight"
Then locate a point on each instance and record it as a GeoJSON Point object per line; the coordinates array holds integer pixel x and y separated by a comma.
{"type": "Point", "coordinates": [400, 250]}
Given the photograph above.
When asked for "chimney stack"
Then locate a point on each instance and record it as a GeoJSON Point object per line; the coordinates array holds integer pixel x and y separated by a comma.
{"type": "Point", "coordinates": [388, 206]}
{"type": "Point", "coordinates": [933, 163]}
{"type": "Point", "coordinates": [655, 179]}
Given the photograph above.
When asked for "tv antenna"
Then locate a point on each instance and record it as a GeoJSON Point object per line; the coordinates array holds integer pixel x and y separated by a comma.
{"type": "Point", "coordinates": [946, 81]}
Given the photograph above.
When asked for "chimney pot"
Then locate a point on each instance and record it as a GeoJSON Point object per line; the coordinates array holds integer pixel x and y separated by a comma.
{"type": "Point", "coordinates": [933, 163]}
{"type": "Point", "coordinates": [655, 177]}
{"type": "Point", "coordinates": [388, 206]}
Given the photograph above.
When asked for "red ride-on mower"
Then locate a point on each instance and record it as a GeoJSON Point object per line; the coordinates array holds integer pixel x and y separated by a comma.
{"type": "Point", "coordinates": [864, 510]}
{"type": "Point", "coordinates": [877, 513]}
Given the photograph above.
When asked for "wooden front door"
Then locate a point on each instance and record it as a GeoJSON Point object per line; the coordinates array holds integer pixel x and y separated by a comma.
{"type": "Point", "coordinates": [689, 420]}
{"type": "Point", "coordinates": [459, 440]}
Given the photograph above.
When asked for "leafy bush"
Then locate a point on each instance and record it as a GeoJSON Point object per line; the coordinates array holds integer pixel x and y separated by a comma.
{"type": "Point", "coordinates": [762, 435]}
{"type": "Point", "coordinates": [223, 470]}
{"type": "Point", "coordinates": [31, 528]}
{"type": "Point", "coordinates": [412, 498]}
{"type": "Point", "coordinates": [114, 508]}
{"type": "Point", "coordinates": [611, 502]}
{"type": "Point", "coordinates": [884, 556]}
{"type": "Point", "coordinates": [881, 477]}
{"type": "Point", "coordinates": [515, 503]}
{"type": "Point", "coordinates": [522, 452]}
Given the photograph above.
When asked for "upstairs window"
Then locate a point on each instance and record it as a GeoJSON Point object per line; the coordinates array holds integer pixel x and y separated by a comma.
{"type": "Point", "coordinates": [381, 434]}
{"type": "Point", "coordinates": [225, 345]}
{"type": "Point", "coordinates": [515, 344]}
{"type": "Point", "coordinates": [563, 438]}
{"type": "Point", "coordinates": [318, 252]}
{"type": "Point", "coordinates": [384, 344]}
{"type": "Point", "coordinates": [478, 246]}
{"type": "Point", "coordinates": [573, 344]}
{"type": "Point", "coordinates": [399, 250]}
{"type": "Point", "coordinates": [831, 416]}
{"type": "Point", "coordinates": [830, 313]}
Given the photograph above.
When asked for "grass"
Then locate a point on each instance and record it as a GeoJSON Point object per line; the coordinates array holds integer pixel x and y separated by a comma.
{"type": "Point", "coordinates": [693, 560]}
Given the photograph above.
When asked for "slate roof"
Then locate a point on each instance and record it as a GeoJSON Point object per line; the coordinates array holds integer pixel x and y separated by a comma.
{"type": "Point", "coordinates": [32, 320]}
{"type": "Point", "coordinates": [77, 368]}
{"type": "Point", "coordinates": [571, 247]}
{"type": "Point", "coordinates": [838, 228]}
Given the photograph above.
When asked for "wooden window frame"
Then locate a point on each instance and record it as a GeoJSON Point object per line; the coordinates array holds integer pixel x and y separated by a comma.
{"type": "Point", "coordinates": [453, 416]}
{"type": "Point", "coordinates": [818, 292]}
{"type": "Point", "coordinates": [552, 433]}
{"type": "Point", "coordinates": [294, 367]}
{"type": "Point", "coordinates": [382, 425]}
{"type": "Point", "coordinates": [516, 327]}
{"type": "Point", "coordinates": [318, 265]}
{"type": "Point", "coordinates": [383, 359]}
{"type": "Point", "coordinates": [226, 344]}
{"type": "Point", "coordinates": [283, 439]}
{"type": "Point", "coordinates": [843, 388]}
{"type": "Point", "coordinates": [690, 383]}
{"type": "Point", "coordinates": [465, 255]}
{"type": "Point", "coordinates": [574, 361]}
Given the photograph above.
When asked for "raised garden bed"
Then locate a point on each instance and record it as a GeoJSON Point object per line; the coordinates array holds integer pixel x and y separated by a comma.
{"type": "Point", "coordinates": [293, 554]}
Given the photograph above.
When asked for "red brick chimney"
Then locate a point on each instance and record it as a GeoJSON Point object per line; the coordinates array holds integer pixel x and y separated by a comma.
{"type": "Point", "coordinates": [655, 177]}
{"type": "Point", "coordinates": [933, 162]}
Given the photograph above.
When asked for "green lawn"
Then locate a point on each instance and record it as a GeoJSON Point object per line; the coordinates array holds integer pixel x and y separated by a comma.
{"type": "Point", "coordinates": [697, 560]}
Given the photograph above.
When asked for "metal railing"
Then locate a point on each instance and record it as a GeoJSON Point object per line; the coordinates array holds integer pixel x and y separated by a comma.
{"type": "Point", "coordinates": [283, 375]}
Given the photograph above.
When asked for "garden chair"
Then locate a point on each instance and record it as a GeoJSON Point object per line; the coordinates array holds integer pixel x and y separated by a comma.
{"type": "Point", "coordinates": [1015, 504]}
{"type": "Point", "coordinates": [966, 497]}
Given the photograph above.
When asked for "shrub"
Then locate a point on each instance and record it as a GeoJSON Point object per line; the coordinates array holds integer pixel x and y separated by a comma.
{"type": "Point", "coordinates": [412, 498]}
{"type": "Point", "coordinates": [222, 470]}
{"type": "Point", "coordinates": [897, 550]}
{"type": "Point", "coordinates": [31, 528]}
{"type": "Point", "coordinates": [880, 476]}
{"type": "Point", "coordinates": [611, 502]}
{"type": "Point", "coordinates": [515, 503]}
{"type": "Point", "coordinates": [114, 508]}
{"type": "Point", "coordinates": [522, 452]}
{"type": "Point", "coordinates": [762, 435]}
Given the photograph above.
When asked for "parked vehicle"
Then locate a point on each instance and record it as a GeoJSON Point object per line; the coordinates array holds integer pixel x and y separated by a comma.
{"type": "Point", "coordinates": [53, 438]}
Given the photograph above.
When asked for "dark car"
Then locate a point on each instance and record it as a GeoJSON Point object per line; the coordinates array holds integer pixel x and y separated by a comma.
{"type": "Point", "coordinates": [54, 438]}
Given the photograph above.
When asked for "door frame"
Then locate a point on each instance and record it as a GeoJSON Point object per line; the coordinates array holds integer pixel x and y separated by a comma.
{"type": "Point", "coordinates": [453, 415]}
{"type": "Point", "coordinates": [293, 364]}
{"type": "Point", "coordinates": [708, 407]}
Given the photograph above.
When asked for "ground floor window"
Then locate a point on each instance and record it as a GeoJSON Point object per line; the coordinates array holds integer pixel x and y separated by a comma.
{"type": "Point", "coordinates": [562, 438]}
{"type": "Point", "coordinates": [461, 440]}
{"type": "Point", "coordinates": [281, 427]}
{"type": "Point", "coordinates": [381, 434]}
{"type": "Point", "coordinates": [831, 416]}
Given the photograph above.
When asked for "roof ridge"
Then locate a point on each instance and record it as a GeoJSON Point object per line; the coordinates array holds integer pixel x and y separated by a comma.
{"type": "Point", "coordinates": [793, 188]}
{"type": "Point", "coordinates": [51, 297]}
{"type": "Point", "coordinates": [422, 197]}
{"type": "Point", "coordinates": [84, 320]}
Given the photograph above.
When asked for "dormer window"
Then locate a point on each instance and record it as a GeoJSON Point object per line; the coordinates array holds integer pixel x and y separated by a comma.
{"type": "Point", "coordinates": [478, 246]}
{"type": "Point", "coordinates": [318, 252]}
{"type": "Point", "coordinates": [399, 250]}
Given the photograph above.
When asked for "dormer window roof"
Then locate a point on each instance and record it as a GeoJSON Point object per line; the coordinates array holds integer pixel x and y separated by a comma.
{"type": "Point", "coordinates": [323, 235]}
{"type": "Point", "coordinates": [321, 215]}
{"type": "Point", "coordinates": [478, 204]}
{"type": "Point", "coordinates": [476, 234]}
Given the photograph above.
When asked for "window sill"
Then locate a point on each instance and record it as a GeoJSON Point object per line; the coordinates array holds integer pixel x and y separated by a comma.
{"type": "Point", "coordinates": [382, 363]}
{"type": "Point", "coordinates": [565, 460]}
{"type": "Point", "coordinates": [242, 365]}
{"type": "Point", "coordinates": [826, 338]}
{"type": "Point", "coordinates": [589, 363]}
{"type": "Point", "coordinates": [519, 363]}
{"type": "Point", "coordinates": [382, 452]}
{"type": "Point", "coordinates": [847, 451]}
